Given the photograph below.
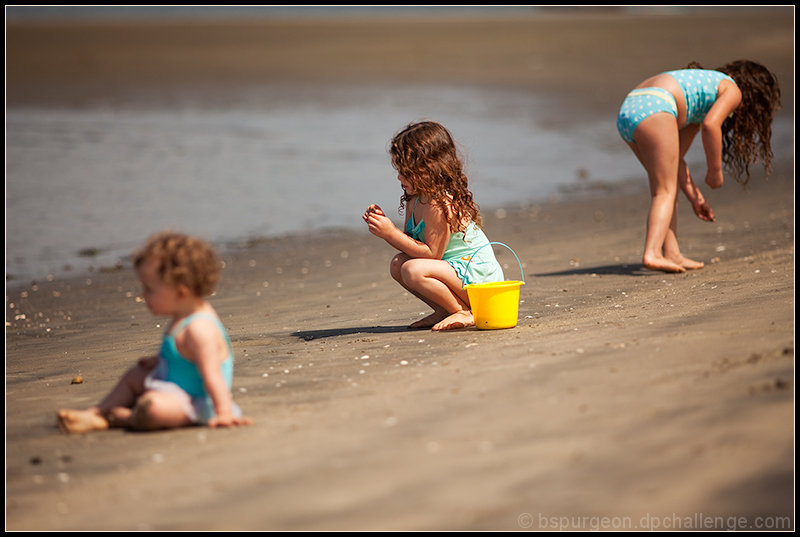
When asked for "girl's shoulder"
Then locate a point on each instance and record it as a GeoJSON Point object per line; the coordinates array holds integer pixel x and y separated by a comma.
{"type": "Point", "coordinates": [431, 205]}
{"type": "Point", "coordinates": [200, 331]}
{"type": "Point", "coordinates": [198, 322]}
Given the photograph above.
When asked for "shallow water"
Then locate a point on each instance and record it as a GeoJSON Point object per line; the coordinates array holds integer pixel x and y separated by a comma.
{"type": "Point", "coordinates": [86, 186]}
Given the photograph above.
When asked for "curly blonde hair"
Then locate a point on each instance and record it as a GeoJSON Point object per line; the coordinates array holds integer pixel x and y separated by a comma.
{"type": "Point", "coordinates": [182, 260]}
{"type": "Point", "coordinates": [747, 134]}
{"type": "Point", "coordinates": [425, 154]}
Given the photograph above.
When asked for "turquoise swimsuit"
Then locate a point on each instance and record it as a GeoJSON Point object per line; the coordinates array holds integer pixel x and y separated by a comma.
{"type": "Point", "coordinates": [639, 105]}
{"type": "Point", "coordinates": [176, 374]}
{"type": "Point", "coordinates": [699, 87]}
{"type": "Point", "coordinates": [464, 252]}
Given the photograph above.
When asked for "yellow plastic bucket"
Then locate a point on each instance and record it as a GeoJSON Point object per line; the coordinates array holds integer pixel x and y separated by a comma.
{"type": "Point", "coordinates": [495, 305]}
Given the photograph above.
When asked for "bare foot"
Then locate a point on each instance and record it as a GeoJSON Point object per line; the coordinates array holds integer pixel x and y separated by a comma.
{"type": "Point", "coordinates": [459, 319]}
{"type": "Point", "coordinates": [689, 264]}
{"type": "Point", "coordinates": [80, 421]}
{"type": "Point", "coordinates": [429, 321]}
{"type": "Point", "coordinates": [662, 264]}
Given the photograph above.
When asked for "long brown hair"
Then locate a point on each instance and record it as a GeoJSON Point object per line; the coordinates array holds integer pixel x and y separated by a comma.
{"type": "Point", "coordinates": [747, 134]}
{"type": "Point", "coordinates": [425, 154]}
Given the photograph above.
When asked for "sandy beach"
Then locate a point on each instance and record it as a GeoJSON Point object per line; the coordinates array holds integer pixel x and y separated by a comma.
{"type": "Point", "coordinates": [624, 399]}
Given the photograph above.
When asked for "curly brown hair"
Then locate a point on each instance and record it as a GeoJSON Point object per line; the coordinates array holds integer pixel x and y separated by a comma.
{"type": "Point", "coordinates": [182, 260]}
{"type": "Point", "coordinates": [425, 154]}
{"type": "Point", "coordinates": [747, 134]}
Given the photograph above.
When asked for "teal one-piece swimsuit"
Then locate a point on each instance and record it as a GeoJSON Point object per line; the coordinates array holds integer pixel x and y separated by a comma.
{"type": "Point", "coordinates": [179, 376]}
{"type": "Point", "coordinates": [465, 252]}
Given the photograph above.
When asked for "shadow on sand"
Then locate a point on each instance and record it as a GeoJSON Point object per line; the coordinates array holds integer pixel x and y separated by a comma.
{"type": "Point", "coordinates": [309, 335]}
{"type": "Point", "coordinates": [620, 270]}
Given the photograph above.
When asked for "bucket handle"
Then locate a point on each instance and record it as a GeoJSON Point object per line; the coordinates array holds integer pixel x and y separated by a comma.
{"type": "Point", "coordinates": [522, 274]}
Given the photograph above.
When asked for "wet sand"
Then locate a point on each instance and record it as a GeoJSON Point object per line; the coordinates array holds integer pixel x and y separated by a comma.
{"type": "Point", "coordinates": [623, 399]}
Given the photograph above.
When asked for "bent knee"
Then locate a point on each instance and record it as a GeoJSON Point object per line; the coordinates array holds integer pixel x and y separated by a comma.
{"type": "Point", "coordinates": [143, 413]}
{"type": "Point", "coordinates": [410, 271]}
{"type": "Point", "coordinates": [155, 410]}
{"type": "Point", "coordinates": [396, 266]}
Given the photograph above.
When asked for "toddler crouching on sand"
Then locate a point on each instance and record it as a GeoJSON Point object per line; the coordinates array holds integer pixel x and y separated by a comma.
{"type": "Point", "coordinates": [189, 381]}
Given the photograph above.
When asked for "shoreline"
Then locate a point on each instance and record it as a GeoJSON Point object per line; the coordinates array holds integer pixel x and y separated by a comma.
{"type": "Point", "coordinates": [117, 260]}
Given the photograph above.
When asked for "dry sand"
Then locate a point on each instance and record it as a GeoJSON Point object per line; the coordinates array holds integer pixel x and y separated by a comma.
{"type": "Point", "coordinates": [623, 399]}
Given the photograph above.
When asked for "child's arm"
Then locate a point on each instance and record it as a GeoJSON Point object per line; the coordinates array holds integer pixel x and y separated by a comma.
{"type": "Point", "coordinates": [206, 348]}
{"type": "Point", "coordinates": [699, 204]}
{"type": "Point", "coordinates": [728, 98]}
{"type": "Point", "coordinates": [436, 233]}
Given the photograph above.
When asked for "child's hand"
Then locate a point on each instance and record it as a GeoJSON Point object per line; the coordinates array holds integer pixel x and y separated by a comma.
{"type": "Point", "coordinates": [374, 209]}
{"type": "Point", "coordinates": [379, 224]}
{"type": "Point", "coordinates": [703, 211]}
{"type": "Point", "coordinates": [228, 421]}
{"type": "Point", "coordinates": [714, 179]}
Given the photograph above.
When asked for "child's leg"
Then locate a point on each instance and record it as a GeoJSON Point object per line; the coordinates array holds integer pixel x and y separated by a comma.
{"type": "Point", "coordinates": [122, 396]}
{"type": "Point", "coordinates": [671, 249]}
{"type": "Point", "coordinates": [127, 390]}
{"type": "Point", "coordinates": [657, 147]}
{"type": "Point", "coordinates": [153, 410]}
{"type": "Point", "coordinates": [439, 313]}
{"type": "Point", "coordinates": [437, 283]}
{"type": "Point", "coordinates": [158, 409]}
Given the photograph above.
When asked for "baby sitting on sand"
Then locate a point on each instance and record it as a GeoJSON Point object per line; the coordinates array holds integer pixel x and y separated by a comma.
{"type": "Point", "coordinates": [189, 381]}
